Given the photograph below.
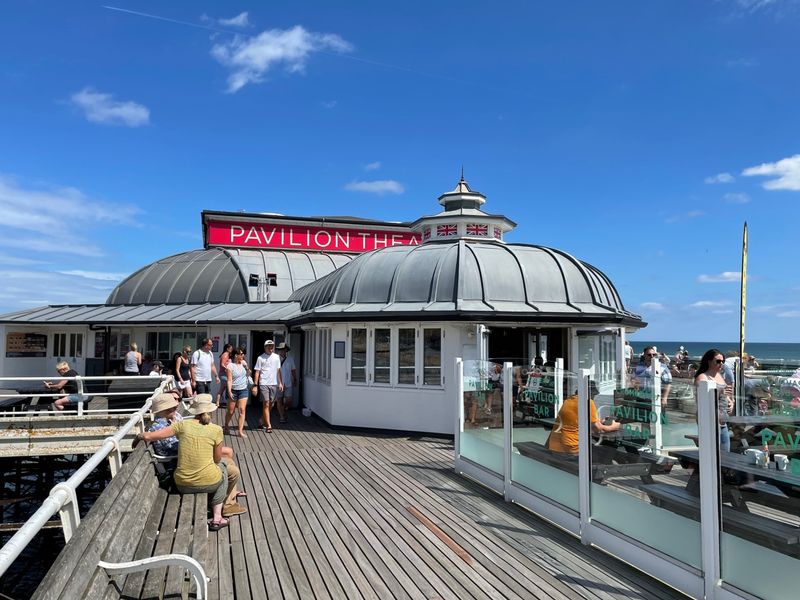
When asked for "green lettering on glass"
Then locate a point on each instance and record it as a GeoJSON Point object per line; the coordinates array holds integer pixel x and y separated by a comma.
{"type": "Point", "coordinates": [795, 464]}
{"type": "Point", "coordinates": [640, 415]}
{"type": "Point", "coordinates": [779, 441]}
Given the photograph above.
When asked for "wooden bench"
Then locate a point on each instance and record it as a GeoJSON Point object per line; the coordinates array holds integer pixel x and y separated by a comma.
{"type": "Point", "coordinates": [755, 528]}
{"type": "Point", "coordinates": [137, 541]}
{"type": "Point", "coordinates": [600, 472]}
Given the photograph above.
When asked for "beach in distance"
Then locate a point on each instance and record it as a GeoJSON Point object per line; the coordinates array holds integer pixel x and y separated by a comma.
{"type": "Point", "coordinates": [763, 351]}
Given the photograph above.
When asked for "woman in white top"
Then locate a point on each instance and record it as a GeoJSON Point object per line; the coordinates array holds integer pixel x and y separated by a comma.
{"type": "Point", "coordinates": [710, 369]}
{"type": "Point", "coordinates": [133, 360]}
{"type": "Point", "coordinates": [238, 389]}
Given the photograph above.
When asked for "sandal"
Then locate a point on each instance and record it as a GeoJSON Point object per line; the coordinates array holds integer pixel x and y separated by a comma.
{"type": "Point", "coordinates": [241, 494]}
{"type": "Point", "coordinates": [217, 525]}
{"type": "Point", "coordinates": [269, 429]}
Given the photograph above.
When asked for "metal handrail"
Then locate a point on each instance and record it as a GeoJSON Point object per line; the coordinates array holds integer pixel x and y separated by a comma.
{"type": "Point", "coordinates": [63, 497]}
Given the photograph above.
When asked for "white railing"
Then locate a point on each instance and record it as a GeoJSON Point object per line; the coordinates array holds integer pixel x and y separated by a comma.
{"type": "Point", "coordinates": [63, 497]}
{"type": "Point", "coordinates": [80, 381]}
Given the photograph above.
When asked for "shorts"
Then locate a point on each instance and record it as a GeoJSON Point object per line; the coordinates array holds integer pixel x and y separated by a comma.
{"type": "Point", "coordinates": [268, 393]}
{"type": "Point", "coordinates": [74, 399]}
{"type": "Point", "coordinates": [286, 393]}
{"type": "Point", "coordinates": [203, 387]}
{"type": "Point", "coordinates": [240, 394]}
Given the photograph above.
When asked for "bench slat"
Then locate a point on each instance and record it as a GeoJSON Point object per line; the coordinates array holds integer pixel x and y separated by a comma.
{"type": "Point", "coordinates": [180, 545]}
{"type": "Point", "coordinates": [154, 584]}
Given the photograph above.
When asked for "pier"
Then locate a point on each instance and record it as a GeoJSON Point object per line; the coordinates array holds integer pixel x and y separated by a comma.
{"type": "Point", "coordinates": [341, 514]}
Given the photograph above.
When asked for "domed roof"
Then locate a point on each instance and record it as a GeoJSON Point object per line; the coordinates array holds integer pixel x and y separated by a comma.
{"type": "Point", "coordinates": [467, 276]}
{"type": "Point", "coordinates": [222, 275]}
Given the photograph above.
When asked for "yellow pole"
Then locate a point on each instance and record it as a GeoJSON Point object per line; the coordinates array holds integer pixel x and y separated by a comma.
{"type": "Point", "coordinates": [743, 310]}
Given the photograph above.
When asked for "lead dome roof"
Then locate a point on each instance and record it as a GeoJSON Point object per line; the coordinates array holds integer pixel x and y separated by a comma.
{"type": "Point", "coordinates": [217, 275]}
{"type": "Point", "coordinates": [466, 277]}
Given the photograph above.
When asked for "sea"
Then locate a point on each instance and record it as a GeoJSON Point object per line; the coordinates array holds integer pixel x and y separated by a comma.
{"type": "Point", "coordinates": [772, 353]}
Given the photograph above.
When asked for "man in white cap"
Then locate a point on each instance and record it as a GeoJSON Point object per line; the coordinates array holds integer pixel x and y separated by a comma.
{"type": "Point", "coordinates": [269, 381]}
{"type": "Point", "coordinates": [289, 378]}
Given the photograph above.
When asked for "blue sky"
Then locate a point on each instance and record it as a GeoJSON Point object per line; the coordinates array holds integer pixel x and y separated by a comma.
{"type": "Point", "coordinates": [639, 136]}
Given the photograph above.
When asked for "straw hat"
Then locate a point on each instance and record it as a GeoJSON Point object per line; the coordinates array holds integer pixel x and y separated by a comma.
{"type": "Point", "coordinates": [202, 404]}
{"type": "Point", "coordinates": [163, 402]}
{"type": "Point", "coordinates": [282, 346]}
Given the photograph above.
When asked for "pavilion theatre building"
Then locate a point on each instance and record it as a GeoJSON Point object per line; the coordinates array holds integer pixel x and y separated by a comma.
{"type": "Point", "coordinates": [375, 312]}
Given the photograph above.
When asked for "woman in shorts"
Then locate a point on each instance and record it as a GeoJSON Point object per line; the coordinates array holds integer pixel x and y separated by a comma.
{"type": "Point", "coordinates": [238, 384]}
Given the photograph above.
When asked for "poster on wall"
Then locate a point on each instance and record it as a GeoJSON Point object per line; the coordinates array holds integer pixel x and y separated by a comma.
{"type": "Point", "coordinates": [23, 345]}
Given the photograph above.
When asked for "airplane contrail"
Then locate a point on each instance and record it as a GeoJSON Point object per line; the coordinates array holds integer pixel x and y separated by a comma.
{"type": "Point", "coordinates": [337, 55]}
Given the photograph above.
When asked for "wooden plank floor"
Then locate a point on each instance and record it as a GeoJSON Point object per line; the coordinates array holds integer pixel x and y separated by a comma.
{"type": "Point", "coordinates": [342, 514]}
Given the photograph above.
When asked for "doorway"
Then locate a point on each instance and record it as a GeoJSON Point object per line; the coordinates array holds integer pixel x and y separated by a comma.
{"type": "Point", "coordinates": [258, 337]}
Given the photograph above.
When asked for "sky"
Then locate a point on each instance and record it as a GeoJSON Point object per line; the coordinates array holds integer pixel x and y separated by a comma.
{"type": "Point", "coordinates": [637, 136]}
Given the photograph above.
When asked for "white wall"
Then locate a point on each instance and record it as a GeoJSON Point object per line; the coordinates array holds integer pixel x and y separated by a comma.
{"type": "Point", "coordinates": [41, 366]}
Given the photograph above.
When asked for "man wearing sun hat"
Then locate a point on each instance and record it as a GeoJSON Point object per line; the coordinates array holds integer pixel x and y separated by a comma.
{"type": "Point", "coordinates": [269, 381]}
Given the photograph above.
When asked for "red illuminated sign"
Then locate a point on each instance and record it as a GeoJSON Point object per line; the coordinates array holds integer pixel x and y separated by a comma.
{"type": "Point", "coordinates": [241, 234]}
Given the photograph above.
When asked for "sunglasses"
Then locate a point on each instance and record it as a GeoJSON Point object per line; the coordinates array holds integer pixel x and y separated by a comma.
{"type": "Point", "coordinates": [719, 361]}
{"type": "Point", "coordinates": [651, 355]}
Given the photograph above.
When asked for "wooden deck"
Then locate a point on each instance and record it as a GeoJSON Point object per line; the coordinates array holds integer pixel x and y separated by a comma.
{"type": "Point", "coordinates": [342, 514]}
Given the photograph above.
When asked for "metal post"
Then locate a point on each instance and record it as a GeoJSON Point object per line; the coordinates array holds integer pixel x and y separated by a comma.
{"type": "Point", "coordinates": [459, 378]}
{"type": "Point", "coordinates": [558, 383]}
{"type": "Point", "coordinates": [584, 458]}
{"type": "Point", "coordinates": [114, 457]}
{"type": "Point", "coordinates": [508, 419]}
{"type": "Point", "coordinates": [69, 513]}
{"type": "Point", "coordinates": [655, 394]}
{"type": "Point", "coordinates": [708, 430]}
{"type": "Point", "coordinates": [79, 382]}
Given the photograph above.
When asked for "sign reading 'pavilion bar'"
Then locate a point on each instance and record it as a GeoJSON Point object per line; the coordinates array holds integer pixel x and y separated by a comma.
{"type": "Point", "coordinates": [283, 235]}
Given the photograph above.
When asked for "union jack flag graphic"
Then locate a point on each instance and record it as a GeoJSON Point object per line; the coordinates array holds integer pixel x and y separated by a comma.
{"type": "Point", "coordinates": [445, 230]}
{"type": "Point", "coordinates": [427, 234]}
{"type": "Point", "coordinates": [477, 229]}
{"type": "Point", "coordinates": [498, 233]}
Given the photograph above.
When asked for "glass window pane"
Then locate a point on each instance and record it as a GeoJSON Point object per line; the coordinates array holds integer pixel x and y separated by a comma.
{"type": "Point", "coordinates": [382, 355]}
{"type": "Point", "coordinates": [99, 344]}
{"type": "Point", "coordinates": [406, 359]}
{"type": "Point", "coordinates": [358, 355]}
{"type": "Point", "coordinates": [79, 346]}
{"type": "Point", "coordinates": [432, 357]}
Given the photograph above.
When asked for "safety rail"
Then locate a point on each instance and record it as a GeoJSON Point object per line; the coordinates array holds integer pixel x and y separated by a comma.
{"type": "Point", "coordinates": [82, 392]}
{"type": "Point", "coordinates": [63, 496]}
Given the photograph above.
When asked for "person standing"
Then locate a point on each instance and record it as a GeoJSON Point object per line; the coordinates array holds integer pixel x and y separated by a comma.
{"type": "Point", "coordinates": [644, 377]}
{"type": "Point", "coordinates": [238, 389]}
{"type": "Point", "coordinates": [133, 360]}
{"type": "Point", "coordinates": [182, 372]}
{"type": "Point", "coordinates": [203, 368]}
{"type": "Point", "coordinates": [224, 359]}
{"type": "Point", "coordinates": [628, 349]}
{"type": "Point", "coordinates": [289, 378]}
{"type": "Point", "coordinates": [711, 369]}
{"type": "Point", "coordinates": [268, 380]}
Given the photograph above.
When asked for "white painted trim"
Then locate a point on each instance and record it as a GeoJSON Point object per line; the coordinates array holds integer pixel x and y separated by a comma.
{"type": "Point", "coordinates": [584, 442]}
{"type": "Point", "coordinates": [493, 481]}
{"type": "Point", "coordinates": [708, 429]}
{"type": "Point", "coordinates": [508, 420]}
{"type": "Point", "coordinates": [145, 564]}
{"type": "Point", "coordinates": [545, 508]}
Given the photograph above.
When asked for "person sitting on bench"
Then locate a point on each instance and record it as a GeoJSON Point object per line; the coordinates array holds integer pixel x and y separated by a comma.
{"type": "Point", "coordinates": [564, 437]}
{"type": "Point", "coordinates": [201, 465]}
{"type": "Point", "coordinates": [69, 387]}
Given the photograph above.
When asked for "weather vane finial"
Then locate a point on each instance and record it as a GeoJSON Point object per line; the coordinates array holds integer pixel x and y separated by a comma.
{"type": "Point", "coordinates": [462, 171]}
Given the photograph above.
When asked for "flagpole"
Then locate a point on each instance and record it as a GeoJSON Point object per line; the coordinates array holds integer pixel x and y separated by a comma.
{"type": "Point", "coordinates": [742, 314]}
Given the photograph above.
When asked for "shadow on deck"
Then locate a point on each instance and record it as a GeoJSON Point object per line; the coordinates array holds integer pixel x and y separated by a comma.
{"type": "Point", "coordinates": [352, 514]}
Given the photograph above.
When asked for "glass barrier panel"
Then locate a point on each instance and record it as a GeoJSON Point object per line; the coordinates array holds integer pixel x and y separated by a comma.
{"type": "Point", "coordinates": [760, 487]}
{"type": "Point", "coordinates": [544, 455]}
{"type": "Point", "coordinates": [482, 435]}
{"type": "Point", "coordinates": [642, 484]}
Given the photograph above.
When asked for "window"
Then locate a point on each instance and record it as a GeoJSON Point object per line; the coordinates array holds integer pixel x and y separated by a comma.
{"type": "Point", "coordinates": [406, 356]}
{"type": "Point", "coordinates": [432, 357]}
{"type": "Point", "coordinates": [324, 351]}
{"type": "Point", "coordinates": [358, 355]}
{"type": "Point", "coordinates": [382, 356]}
{"type": "Point", "coordinates": [68, 344]}
{"type": "Point", "coordinates": [238, 340]}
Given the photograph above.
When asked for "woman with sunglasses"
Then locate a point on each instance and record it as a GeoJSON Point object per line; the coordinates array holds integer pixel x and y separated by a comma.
{"type": "Point", "coordinates": [238, 388]}
{"type": "Point", "coordinates": [183, 376]}
{"type": "Point", "coordinates": [710, 369]}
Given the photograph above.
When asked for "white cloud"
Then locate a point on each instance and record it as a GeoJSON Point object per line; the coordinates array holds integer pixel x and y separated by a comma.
{"type": "Point", "coordinates": [742, 62]}
{"type": "Point", "coordinates": [709, 304]}
{"type": "Point", "coordinates": [49, 287]}
{"type": "Point", "coordinates": [655, 306]}
{"type": "Point", "coordinates": [329, 104]}
{"type": "Point", "coordinates": [240, 20]}
{"type": "Point", "coordinates": [102, 108]}
{"type": "Point", "coordinates": [720, 178]}
{"type": "Point", "coordinates": [18, 261]}
{"type": "Point", "coordinates": [786, 173]}
{"type": "Point", "coordinates": [692, 214]}
{"type": "Point", "coordinates": [736, 198]}
{"type": "Point", "coordinates": [97, 275]}
{"type": "Point", "coordinates": [789, 314]}
{"type": "Point", "coordinates": [722, 312]}
{"type": "Point", "coordinates": [724, 277]}
{"type": "Point", "coordinates": [373, 166]}
{"type": "Point", "coordinates": [380, 187]}
{"type": "Point", "coordinates": [250, 58]}
{"type": "Point", "coordinates": [60, 223]}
